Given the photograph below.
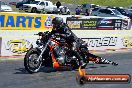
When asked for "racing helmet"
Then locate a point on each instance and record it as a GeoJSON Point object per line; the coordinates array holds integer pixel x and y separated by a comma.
{"type": "Point", "coordinates": [57, 21]}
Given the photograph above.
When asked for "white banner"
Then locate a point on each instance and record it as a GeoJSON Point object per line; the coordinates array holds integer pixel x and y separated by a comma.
{"type": "Point", "coordinates": [18, 42]}
{"type": "Point", "coordinates": [104, 39]}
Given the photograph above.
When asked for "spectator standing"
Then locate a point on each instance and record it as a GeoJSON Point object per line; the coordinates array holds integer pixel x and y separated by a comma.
{"type": "Point", "coordinates": [78, 10]}
{"type": "Point", "coordinates": [90, 11]}
{"type": "Point", "coordinates": [58, 4]}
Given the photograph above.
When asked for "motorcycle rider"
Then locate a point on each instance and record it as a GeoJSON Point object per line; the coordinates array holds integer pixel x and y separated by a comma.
{"type": "Point", "coordinates": [60, 28]}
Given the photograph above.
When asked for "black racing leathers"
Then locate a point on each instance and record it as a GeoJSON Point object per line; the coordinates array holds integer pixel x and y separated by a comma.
{"type": "Point", "coordinates": [75, 42]}
{"type": "Point", "coordinates": [65, 33]}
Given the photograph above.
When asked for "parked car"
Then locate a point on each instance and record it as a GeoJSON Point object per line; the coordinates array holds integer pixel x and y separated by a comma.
{"type": "Point", "coordinates": [130, 10]}
{"type": "Point", "coordinates": [5, 7]}
{"type": "Point", "coordinates": [124, 12]}
{"type": "Point", "coordinates": [41, 6]}
{"type": "Point", "coordinates": [26, 7]}
{"type": "Point", "coordinates": [88, 6]}
{"type": "Point", "coordinates": [107, 12]}
{"type": "Point", "coordinates": [96, 8]}
{"type": "Point", "coordinates": [20, 4]}
{"type": "Point", "coordinates": [130, 7]}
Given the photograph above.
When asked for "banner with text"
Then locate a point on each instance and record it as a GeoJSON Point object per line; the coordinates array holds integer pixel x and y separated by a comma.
{"type": "Point", "coordinates": [18, 42]}
{"type": "Point", "coordinates": [97, 24]}
{"type": "Point", "coordinates": [25, 21]}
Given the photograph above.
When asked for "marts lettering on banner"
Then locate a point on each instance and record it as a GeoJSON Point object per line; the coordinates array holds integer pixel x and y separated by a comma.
{"type": "Point", "coordinates": [98, 42]}
{"type": "Point", "coordinates": [18, 46]}
{"type": "Point", "coordinates": [20, 21]}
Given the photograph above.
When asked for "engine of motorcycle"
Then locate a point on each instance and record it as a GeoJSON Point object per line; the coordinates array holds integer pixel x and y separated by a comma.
{"type": "Point", "coordinates": [61, 54]}
{"type": "Point", "coordinates": [61, 60]}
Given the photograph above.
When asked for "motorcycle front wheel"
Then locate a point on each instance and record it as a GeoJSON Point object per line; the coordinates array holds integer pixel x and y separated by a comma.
{"type": "Point", "coordinates": [30, 61]}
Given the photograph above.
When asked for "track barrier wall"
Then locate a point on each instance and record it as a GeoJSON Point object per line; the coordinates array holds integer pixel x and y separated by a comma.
{"type": "Point", "coordinates": [98, 24]}
{"type": "Point", "coordinates": [18, 37]}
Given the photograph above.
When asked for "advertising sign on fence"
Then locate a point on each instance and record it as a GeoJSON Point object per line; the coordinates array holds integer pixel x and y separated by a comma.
{"type": "Point", "coordinates": [101, 41]}
{"type": "Point", "coordinates": [89, 23]}
{"type": "Point", "coordinates": [97, 24]}
{"type": "Point", "coordinates": [22, 21]}
{"type": "Point", "coordinates": [18, 42]}
{"type": "Point", "coordinates": [105, 24]}
{"type": "Point", "coordinates": [22, 39]}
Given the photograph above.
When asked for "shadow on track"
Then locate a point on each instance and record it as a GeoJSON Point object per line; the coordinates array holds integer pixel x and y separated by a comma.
{"type": "Point", "coordinates": [43, 69]}
{"type": "Point", "coordinates": [50, 69]}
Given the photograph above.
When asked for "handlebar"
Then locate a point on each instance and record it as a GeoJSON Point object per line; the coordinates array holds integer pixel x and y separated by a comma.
{"type": "Point", "coordinates": [42, 33]}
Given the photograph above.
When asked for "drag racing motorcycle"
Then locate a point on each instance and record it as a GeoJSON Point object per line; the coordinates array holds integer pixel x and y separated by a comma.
{"type": "Point", "coordinates": [50, 52]}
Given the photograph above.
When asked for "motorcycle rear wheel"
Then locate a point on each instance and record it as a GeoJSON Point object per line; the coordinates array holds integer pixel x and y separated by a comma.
{"type": "Point", "coordinates": [30, 61]}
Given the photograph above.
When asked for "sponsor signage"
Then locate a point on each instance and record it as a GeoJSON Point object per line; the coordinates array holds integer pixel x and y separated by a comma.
{"type": "Point", "coordinates": [89, 23]}
{"type": "Point", "coordinates": [117, 24]}
{"type": "Point", "coordinates": [25, 21]}
{"type": "Point", "coordinates": [18, 46]}
{"type": "Point", "coordinates": [74, 24]}
{"type": "Point", "coordinates": [81, 23]}
{"type": "Point", "coordinates": [97, 23]}
{"type": "Point", "coordinates": [99, 42]}
{"type": "Point", "coordinates": [105, 24]}
{"type": "Point", "coordinates": [124, 24]}
{"type": "Point", "coordinates": [19, 42]}
{"type": "Point", "coordinates": [127, 41]}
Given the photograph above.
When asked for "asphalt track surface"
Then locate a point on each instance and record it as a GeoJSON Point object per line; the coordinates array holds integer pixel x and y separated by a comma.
{"type": "Point", "coordinates": [13, 74]}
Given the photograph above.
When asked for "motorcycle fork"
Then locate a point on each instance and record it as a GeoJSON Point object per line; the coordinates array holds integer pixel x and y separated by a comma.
{"type": "Point", "coordinates": [40, 56]}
